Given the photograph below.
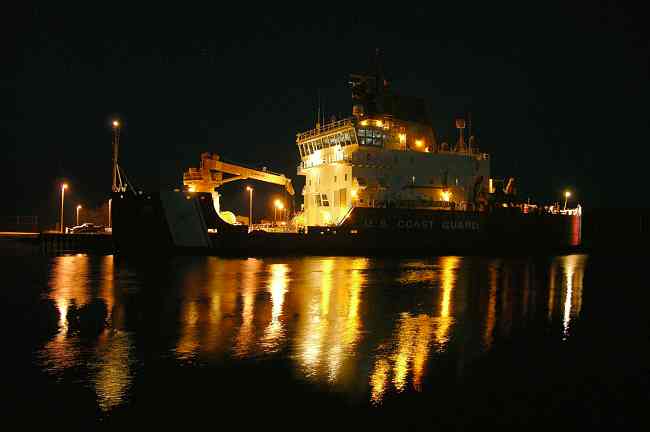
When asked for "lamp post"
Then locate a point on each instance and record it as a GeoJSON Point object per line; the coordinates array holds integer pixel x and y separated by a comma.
{"type": "Point", "coordinates": [78, 208]}
{"type": "Point", "coordinates": [117, 181]}
{"type": "Point", "coordinates": [250, 206]}
{"type": "Point", "coordinates": [275, 212]}
{"type": "Point", "coordinates": [110, 221]}
{"type": "Point", "coordinates": [278, 206]}
{"type": "Point", "coordinates": [64, 186]}
{"type": "Point", "coordinates": [567, 194]}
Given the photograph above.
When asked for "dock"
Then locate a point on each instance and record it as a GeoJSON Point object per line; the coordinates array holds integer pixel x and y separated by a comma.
{"type": "Point", "coordinates": [55, 242]}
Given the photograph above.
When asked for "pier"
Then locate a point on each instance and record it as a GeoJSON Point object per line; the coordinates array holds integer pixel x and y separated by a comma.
{"type": "Point", "coordinates": [54, 242]}
{"type": "Point", "coordinates": [82, 242]}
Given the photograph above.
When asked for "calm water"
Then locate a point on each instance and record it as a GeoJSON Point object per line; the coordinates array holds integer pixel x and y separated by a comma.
{"type": "Point", "coordinates": [342, 341]}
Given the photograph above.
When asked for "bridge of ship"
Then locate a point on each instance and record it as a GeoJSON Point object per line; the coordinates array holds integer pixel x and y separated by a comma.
{"type": "Point", "coordinates": [339, 133]}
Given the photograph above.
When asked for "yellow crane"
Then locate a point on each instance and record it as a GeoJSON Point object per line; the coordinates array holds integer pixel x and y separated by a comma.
{"type": "Point", "coordinates": [209, 176]}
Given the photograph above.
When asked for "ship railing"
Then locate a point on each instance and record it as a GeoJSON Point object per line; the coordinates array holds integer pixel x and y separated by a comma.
{"type": "Point", "coordinates": [310, 164]}
{"type": "Point", "coordinates": [274, 227]}
{"type": "Point", "coordinates": [471, 152]}
{"type": "Point", "coordinates": [325, 128]}
{"type": "Point", "coordinates": [192, 176]}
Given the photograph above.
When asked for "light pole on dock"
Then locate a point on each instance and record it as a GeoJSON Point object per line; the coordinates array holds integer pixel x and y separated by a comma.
{"type": "Point", "coordinates": [250, 206]}
{"type": "Point", "coordinates": [278, 206]}
{"type": "Point", "coordinates": [64, 186]}
{"type": "Point", "coordinates": [78, 208]}
{"type": "Point", "coordinates": [567, 194]}
{"type": "Point", "coordinates": [117, 180]}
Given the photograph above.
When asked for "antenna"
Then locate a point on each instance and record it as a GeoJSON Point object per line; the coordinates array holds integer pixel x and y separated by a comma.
{"type": "Point", "coordinates": [469, 132]}
{"type": "Point", "coordinates": [318, 113]}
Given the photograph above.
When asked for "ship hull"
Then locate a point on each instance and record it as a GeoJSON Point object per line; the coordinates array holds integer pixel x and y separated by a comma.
{"type": "Point", "coordinates": [186, 223]}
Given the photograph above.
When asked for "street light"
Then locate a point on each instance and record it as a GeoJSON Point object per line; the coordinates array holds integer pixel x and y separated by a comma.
{"type": "Point", "coordinates": [78, 208]}
{"type": "Point", "coordinates": [567, 194]}
{"type": "Point", "coordinates": [250, 206]}
{"type": "Point", "coordinates": [64, 186]}
{"type": "Point", "coordinates": [278, 206]}
{"type": "Point", "coordinates": [110, 217]}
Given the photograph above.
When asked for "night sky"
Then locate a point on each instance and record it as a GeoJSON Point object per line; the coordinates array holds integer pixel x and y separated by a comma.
{"type": "Point", "coordinates": [558, 94]}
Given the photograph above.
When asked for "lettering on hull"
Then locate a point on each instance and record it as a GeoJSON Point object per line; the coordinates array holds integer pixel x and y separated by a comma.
{"type": "Point", "coordinates": [424, 224]}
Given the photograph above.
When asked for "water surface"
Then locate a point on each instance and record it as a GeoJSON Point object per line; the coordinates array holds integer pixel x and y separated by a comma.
{"type": "Point", "coordinates": [389, 342]}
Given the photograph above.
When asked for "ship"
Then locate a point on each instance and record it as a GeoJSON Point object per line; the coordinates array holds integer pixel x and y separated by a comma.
{"type": "Point", "coordinates": [377, 182]}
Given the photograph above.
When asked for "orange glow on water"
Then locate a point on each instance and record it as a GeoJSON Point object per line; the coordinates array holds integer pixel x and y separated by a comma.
{"type": "Point", "coordinates": [371, 326]}
{"type": "Point", "coordinates": [490, 321]}
{"type": "Point", "coordinates": [110, 362]}
{"type": "Point", "coordinates": [277, 287]}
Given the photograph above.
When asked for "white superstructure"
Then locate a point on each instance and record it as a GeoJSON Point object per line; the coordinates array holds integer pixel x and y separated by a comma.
{"type": "Point", "coordinates": [377, 159]}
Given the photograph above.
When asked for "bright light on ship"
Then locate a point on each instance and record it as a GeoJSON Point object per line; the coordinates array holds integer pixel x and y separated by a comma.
{"type": "Point", "coordinates": [446, 195]}
{"type": "Point", "coordinates": [402, 138]}
{"type": "Point", "coordinates": [315, 159]}
{"type": "Point", "coordinates": [191, 189]}
{"type": "Point", "coordinates": [379, 123]}
{"type": "Point", "coordinates": [364, 122]}
{"type": "Point", "coordinates": [353, 193]}
{"type": "Point", "coordinates": [419, 143]}
{"type": "Point", "coordinates": [116, 123]}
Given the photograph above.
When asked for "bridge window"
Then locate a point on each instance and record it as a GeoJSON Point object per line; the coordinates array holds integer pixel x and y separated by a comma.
{"type": "Point", "coordinates": [372, 137]}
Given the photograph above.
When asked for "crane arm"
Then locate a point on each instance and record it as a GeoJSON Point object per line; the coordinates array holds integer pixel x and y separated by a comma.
{"type": "Point", "coordinates": [210, 175]}
{"type": "Point", "coordinates": [242, 173]}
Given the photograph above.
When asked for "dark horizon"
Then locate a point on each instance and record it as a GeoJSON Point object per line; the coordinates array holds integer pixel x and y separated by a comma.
{"type": "Point", "coordinates": [557, 95]}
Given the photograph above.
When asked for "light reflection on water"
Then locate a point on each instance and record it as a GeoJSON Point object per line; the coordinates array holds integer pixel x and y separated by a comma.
{"type": "Point", "coordinates": [361, 325]}
{"type": "Point", "coordinates": [108, 358]}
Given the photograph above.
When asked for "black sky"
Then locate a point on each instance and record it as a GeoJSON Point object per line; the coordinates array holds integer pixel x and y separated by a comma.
{"type": "Point", "coordinates": [558, 93]}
